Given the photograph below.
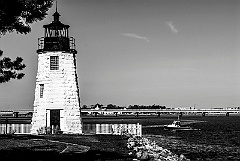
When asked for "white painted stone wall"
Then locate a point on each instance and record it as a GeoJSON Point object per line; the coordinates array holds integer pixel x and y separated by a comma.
{"type": "Point", "coordinates": [60, 92]}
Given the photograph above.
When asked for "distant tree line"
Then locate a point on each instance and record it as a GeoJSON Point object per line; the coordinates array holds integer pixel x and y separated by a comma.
{"type": "Point", "coordinates": [146, 107]}
{"type": "Point", "coordinates": [111, 106]}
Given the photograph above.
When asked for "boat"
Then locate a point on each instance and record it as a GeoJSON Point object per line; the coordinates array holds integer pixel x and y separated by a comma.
{"type": "Point", "coordinates": [176, 125]}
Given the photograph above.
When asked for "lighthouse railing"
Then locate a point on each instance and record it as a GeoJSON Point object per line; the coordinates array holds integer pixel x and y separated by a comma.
{"type": "Point", "coordinates": [72, 43]}
{"type": "Point", "coordinates": [41, 43]}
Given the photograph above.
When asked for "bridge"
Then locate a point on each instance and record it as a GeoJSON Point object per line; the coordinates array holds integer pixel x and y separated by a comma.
{"type": "Point", "coordinates": [136, 111]}
{"type": "Point", "coordinates": [161, 111]}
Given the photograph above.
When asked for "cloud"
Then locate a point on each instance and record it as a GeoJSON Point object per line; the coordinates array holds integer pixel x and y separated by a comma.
{"type": "Point", "coordinates": [136, 36]}
{"type": "Point", "coordinates": [172, 27]}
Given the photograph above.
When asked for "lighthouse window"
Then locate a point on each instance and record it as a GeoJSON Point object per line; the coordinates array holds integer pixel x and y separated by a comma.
{"type": "Point", "coordinates": [41, 90]}
{"type": "Point", "coordinates": [56, 33]}
{"type": "Point", "coordinates": [54, 63]}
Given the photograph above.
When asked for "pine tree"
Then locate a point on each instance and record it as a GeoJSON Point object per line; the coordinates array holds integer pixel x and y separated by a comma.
{"type": "Point", "coordinates": [17, 15]}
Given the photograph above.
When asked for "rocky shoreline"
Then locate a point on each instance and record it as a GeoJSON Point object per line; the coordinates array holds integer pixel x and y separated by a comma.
{"type": "Point", "coordinates": [144, 149]}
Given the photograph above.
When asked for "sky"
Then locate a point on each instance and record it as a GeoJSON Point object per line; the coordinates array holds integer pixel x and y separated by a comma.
{"type": "Point", "coordinates": [167, 52]}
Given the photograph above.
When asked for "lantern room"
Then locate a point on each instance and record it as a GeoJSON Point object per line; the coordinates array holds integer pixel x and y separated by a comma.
{"type": "Point", "coordinates": [56, 37]}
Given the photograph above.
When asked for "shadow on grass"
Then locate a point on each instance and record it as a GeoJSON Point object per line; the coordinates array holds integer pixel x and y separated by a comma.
{"type": "Point", "coordinates": [31, 155]}
{"type": "Point", "coordinates": [38, 148]}
{"type": "Point", "coordinates": [20, 136]}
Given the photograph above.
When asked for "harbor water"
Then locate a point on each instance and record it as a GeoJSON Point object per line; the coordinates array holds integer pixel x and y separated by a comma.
{"type": "Point", "coordinates": [217, 139]}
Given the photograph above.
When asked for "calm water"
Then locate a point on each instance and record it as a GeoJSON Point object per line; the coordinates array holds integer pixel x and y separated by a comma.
{"type": "Point", "coordinates": [218, 139]}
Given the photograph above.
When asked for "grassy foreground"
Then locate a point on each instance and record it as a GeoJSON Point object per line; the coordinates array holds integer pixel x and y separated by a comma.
{"type": "Point", "coordinates": [63, 147]}
{"type": "Point", "coordinates": [82, 147]}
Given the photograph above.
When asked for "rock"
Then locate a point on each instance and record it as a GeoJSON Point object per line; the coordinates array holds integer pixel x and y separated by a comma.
{"type": "Point", "coordinates": [139, 154]}
{"type": "Point", "coordinates": [145, 149]}
{"type": "Point", "coordinates": [183, 158]}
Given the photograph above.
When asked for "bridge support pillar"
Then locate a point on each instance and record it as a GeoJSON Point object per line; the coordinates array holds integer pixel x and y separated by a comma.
{"type": "Point", "coordinates": [95, 114]}
{"type": "Point", "coordinates": [137, 114]}
{"type": "Point", "coordinates": [15, 114]}
{"type": "Point", "coordinates": [6, 126]}
{"type": "Point", "coordinates": [227, 114]}
{"type": "Point", "coordinates": [116, 114]}
{"type": "Point", "coordinates": [159, 113]}
{"type": "Point", "coordinates": [204, 114]}
{"type": "Point", "coordinates": [180, 114]}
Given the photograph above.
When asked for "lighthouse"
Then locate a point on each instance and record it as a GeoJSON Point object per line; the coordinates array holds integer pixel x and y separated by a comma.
{"type": "Point", "coordinates": [57, 100]}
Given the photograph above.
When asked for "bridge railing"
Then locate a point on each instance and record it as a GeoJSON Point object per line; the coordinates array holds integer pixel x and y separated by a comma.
{"type": "Point", "coordinates": [163, 110]}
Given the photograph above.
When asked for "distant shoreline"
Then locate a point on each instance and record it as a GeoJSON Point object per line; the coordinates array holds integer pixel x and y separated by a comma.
{"type": "Point", "coordinates": [151, 116]}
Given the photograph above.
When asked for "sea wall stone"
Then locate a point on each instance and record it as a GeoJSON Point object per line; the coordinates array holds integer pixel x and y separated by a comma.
{"type": "Point", "coordinates": [61, 92]}
{"type": "Point", "coordinates": [144, 149]}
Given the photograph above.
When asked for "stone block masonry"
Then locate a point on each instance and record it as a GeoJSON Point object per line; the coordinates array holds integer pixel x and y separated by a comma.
{"type": "Point", "coordinates": [57, 90]}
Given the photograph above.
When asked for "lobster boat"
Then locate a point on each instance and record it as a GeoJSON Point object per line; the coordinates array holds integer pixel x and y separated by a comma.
{"type": "Point", "coordinates": [176, 125]}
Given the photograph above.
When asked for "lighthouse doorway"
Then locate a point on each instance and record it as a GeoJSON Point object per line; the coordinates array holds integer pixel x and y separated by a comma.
{"type": "Point", "coordinates": [55, 119]}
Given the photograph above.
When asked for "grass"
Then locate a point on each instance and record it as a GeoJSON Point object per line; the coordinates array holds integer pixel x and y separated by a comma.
{"type": "Point", "coordinates": [42, 148]}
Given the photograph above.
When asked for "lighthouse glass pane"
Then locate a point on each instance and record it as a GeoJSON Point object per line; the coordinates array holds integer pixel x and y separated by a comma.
{"type": "Point", "coordinates": [54, 63]}
{"type": "Point", "coordinates": [41, 90]}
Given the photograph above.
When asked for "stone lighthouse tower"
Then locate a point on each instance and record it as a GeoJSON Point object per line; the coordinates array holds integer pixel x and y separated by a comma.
{"type": "Point", "coordinates": [57, 101]}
